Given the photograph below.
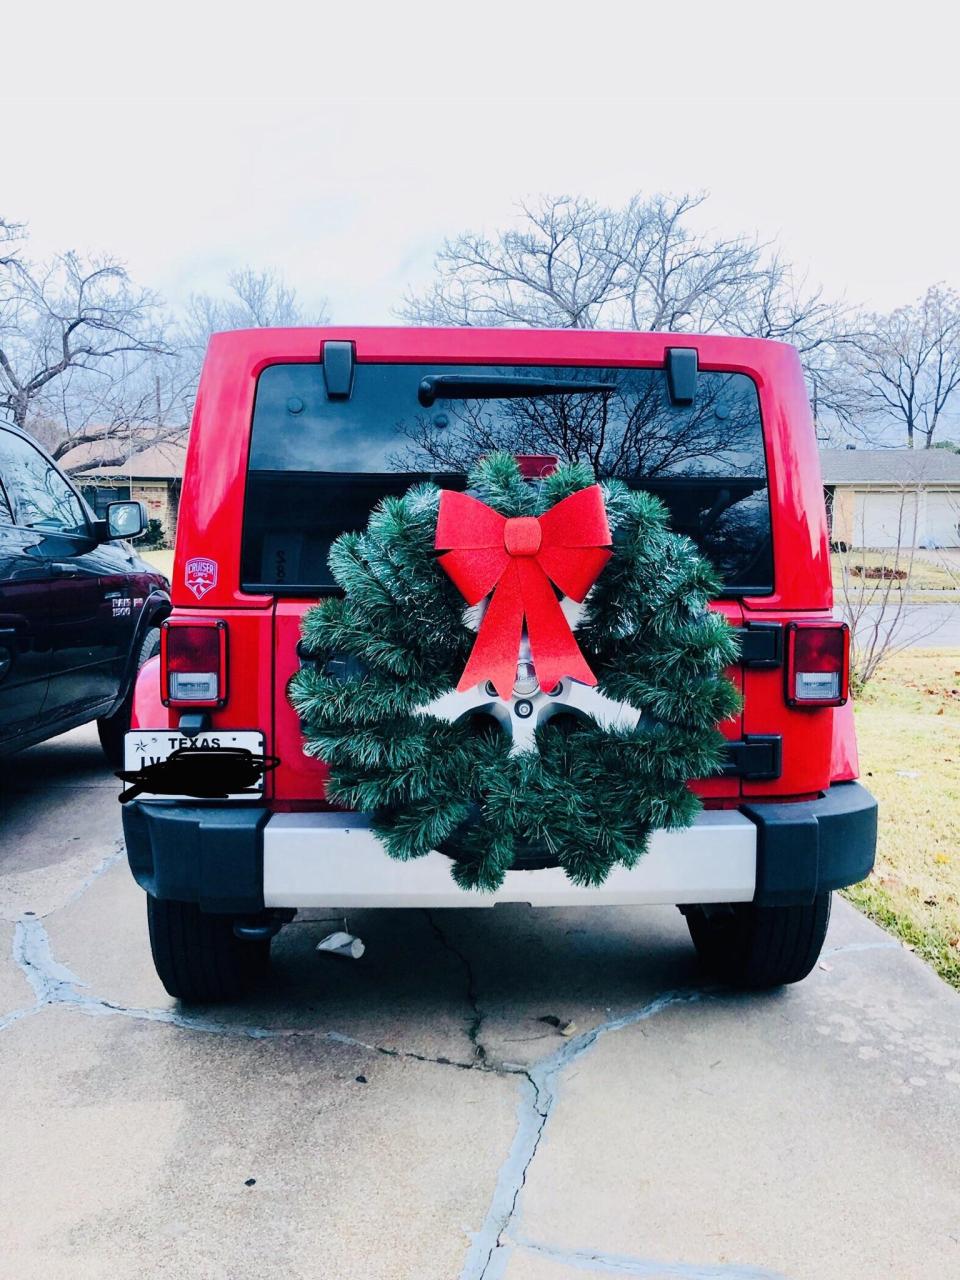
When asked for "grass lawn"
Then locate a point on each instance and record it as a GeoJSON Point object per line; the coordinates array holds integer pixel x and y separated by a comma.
{"type": "Point", "coordinates": [162, 560]}
{"type": "Point", "coordinates": [923, 576]}
{"type": "Point", "coordinates": [908, 729]}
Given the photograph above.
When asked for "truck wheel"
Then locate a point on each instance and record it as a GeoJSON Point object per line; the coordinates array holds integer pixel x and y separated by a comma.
{"type": "Point", "coordinates": [112, 728]}
{"type": "Point", "coordinates": [751, 946]}
{"type": "Point", "coordinates": [198, 957]}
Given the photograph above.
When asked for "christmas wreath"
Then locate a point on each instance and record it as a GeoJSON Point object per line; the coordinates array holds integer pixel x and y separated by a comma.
{"type": "Point", "coordinates": [419, 704]}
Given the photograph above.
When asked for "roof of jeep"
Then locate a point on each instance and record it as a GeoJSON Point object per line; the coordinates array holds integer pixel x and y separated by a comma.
{"type": "Point", "coordinates": [471, 340]}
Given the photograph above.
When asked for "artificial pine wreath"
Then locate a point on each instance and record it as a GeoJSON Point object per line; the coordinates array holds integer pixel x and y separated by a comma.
{"type": "Point", "coordinates": [585, 795]}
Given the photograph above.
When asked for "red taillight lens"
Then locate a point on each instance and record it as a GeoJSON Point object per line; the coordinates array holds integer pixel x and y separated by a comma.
{"type": "Point", "coordinates": [193, 663]}
{"type": "Point", "coordinates": [818, 662]}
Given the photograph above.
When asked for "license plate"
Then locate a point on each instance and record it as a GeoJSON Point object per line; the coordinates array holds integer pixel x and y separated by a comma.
{"type": "Point", "coordinates": [144, 747]}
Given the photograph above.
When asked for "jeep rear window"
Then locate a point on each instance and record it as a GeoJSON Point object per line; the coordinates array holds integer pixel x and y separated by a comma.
{"type": "Point", "coordinates": [318, 465]}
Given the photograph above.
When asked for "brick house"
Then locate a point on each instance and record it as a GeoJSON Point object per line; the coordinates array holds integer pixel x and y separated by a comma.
{"type": "Point", "coordinates": [152, 475]}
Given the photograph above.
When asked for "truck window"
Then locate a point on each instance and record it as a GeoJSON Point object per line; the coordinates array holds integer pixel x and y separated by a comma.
{"type": "Point", "coordinates": [317, 466]}
{"type": "Point", "coordinates": [41, 497]}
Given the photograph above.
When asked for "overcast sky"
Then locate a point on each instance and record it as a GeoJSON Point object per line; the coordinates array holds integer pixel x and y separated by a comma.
{"type": "Point", "coordinates": [341, 152]}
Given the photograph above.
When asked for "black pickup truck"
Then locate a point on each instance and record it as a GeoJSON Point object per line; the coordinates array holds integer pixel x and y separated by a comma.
{"type": "Point", "coordinates": [79, 611]}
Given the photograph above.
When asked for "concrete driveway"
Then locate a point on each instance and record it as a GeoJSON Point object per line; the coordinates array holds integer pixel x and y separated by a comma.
{"type": "Point", "coordinates": [412, 1114]}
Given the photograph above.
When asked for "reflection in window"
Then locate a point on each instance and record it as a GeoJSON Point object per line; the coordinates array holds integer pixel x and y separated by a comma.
{"type": "Point", "coordinates": [41, 497]}
{"type": "Point", "coordinates": [317, 466]}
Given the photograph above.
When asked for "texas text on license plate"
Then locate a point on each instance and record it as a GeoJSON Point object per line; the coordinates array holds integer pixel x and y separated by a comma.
{"type": "Point", "coordinates": [143, 747]}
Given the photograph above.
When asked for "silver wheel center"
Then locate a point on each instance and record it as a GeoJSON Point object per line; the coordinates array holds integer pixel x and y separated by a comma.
{"type": "Point", "coordinates": [521, 715]}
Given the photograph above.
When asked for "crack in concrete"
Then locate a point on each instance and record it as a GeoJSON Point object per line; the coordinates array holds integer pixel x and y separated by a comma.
{"type": "Point", "coordinates": [104, 865]}
{"type": "Point", "coordinates": [54, 984]}
{"type": "Point", "coordinates": [473, 1031]}
{"type": "Point", "coordinates": [624, 1265]}
{"type": "Point", "coordinates": [490, 1250]}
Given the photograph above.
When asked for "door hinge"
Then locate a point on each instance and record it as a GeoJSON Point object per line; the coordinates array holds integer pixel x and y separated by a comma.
{"type": "Point", "coordinates": [761, 644]}
{"type": "Point", "coordinates": [756, 757]}
{"type": "Point", "coordinates": [338, 361]}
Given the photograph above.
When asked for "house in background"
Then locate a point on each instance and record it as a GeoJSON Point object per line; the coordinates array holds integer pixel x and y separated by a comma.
{"type": "Point", "coordinates": [152, 475]}
{"type": "Point", "coordinates": [884, 498]}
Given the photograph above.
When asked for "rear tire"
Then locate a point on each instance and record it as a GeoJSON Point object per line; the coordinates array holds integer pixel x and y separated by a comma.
{"type": "Point", "coordinates": [198, 957]}
{"type": "Point", "coordinates": [750, 946]}
{"type": "Point", "coordinates": [112, 728]}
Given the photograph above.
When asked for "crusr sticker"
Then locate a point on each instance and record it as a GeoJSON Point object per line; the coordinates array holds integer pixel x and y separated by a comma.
{"type": "Point", "coordinates": [200, 575]}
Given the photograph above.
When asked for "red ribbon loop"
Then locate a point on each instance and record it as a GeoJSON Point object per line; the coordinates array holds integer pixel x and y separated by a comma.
{"type": "Point", "coordinates": [517, 558]}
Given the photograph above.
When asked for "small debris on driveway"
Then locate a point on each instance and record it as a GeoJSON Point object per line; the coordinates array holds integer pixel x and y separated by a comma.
{"type": "Point", "coordinates": [342, 944]}
{"type": "Point", "coordinates": [566, 1028]}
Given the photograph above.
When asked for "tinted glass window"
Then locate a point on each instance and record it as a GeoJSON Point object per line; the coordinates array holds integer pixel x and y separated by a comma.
{"type": "Point", "coordinates": [317, 465]}
{"type": "Point", "coordinates": [41, 497]}
{"type": "Point", "coordinates": [100, 496]}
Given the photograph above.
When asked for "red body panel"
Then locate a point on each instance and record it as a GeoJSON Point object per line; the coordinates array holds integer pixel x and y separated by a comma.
{"type": "Point", "coordinates": [844, 758]}
{"type": "Point", "coordinates": [263, 633]}
{"type": "Point", "coordinates": [716, 790]}
{"type": "Point", "coordinates": [807, 732]}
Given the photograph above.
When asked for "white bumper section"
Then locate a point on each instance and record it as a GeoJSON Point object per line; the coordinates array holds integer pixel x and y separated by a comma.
{"type": "Point", "coordinates": [318, 860]}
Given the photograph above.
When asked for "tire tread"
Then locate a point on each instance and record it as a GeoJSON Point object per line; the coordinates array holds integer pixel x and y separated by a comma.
{"type": "Point", "coordinates": [198, 958]}
{"type": "Point", "coordinates": [752, 946]}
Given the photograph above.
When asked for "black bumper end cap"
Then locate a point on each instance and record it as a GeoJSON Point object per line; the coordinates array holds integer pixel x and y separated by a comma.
{"type": "Point", "coordinates": [212, 856]}
{"type": "Point", "coordinates": [814, 846]}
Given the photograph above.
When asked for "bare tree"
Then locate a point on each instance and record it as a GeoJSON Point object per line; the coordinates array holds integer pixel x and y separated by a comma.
{"type": "Point", "coordinates": [873, 586]}
{"type": "Point", "coordinates": [254, 300]}
{"type": "Point", "coordinates": [149, 405]}
{"type": "Point", "coordinates": [905, 368]}
{"type": "Point", "coordinates": [76, 340]}
{"type": "Point", "coordinates": [11, 234]}
{"type": "Point", "coordinates": [572, 263]}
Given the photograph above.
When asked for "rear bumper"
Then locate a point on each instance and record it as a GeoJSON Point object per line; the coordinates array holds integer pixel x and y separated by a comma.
{"type": "Point", "coordinates": [241, 860]}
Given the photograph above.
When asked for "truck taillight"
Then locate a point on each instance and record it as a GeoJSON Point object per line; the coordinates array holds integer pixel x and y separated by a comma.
{"type": "Point", "coordinates": [193, 663]}
{"type": "Point", "coordinates": [818, 663]}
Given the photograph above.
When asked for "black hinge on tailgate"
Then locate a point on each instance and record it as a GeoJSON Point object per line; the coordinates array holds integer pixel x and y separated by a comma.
{"type": "Point", "coordinates": [761, 644]}
{"type": "Point", "coordinates": [756, 757]}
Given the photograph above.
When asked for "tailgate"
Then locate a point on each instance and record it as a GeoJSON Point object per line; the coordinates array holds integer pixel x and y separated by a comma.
{"type": "Point", "coordinates": [299, 780]}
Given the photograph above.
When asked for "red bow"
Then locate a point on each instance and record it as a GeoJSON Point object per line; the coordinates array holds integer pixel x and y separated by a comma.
{"type": "Point", "coordinates": [517, 558]}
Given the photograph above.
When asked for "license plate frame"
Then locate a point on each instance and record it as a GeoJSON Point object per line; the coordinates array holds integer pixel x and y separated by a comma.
{"type": "Point", "coordinates": [142, 747]}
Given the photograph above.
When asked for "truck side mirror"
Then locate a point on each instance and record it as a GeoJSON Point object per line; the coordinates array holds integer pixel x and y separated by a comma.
{"type": "Point", "coordinates": [126, 519]}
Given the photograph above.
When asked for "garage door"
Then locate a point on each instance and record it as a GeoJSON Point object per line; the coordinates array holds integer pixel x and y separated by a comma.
{"type": "Point", "coordinates": [886, 520]}
{"type": "Point", "coordinates": [943, 519]}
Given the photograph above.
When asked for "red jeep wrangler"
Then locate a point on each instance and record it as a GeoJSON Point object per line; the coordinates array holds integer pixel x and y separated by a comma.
{"type": "Point", "coordinates": [296, 435]}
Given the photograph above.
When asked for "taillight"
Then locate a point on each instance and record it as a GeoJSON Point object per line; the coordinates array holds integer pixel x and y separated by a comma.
{"type": "Point", "coordinates": [818, 663]}
{"type": "Point", "coordinates": [193, 663]}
